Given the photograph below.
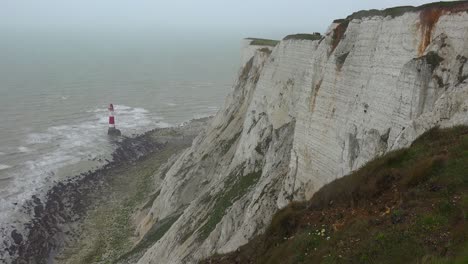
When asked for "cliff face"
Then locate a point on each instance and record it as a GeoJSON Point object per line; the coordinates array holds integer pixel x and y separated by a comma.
{"type": "Point", "coordinates": [304, 113]}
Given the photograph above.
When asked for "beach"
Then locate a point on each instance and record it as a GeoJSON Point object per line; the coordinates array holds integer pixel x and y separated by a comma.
{"type": "Point", "coordinates": [90, 216]}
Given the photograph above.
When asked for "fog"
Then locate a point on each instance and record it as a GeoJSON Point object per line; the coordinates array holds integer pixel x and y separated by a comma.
{"type": "Point", "coordinates": [238, 18]}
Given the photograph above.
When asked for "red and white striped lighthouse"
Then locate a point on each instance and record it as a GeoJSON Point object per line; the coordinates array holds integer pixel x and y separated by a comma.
{"type": "Point", "coordinates": [112, 130]}
{"type": "Point", "coordinates": [111, 116]}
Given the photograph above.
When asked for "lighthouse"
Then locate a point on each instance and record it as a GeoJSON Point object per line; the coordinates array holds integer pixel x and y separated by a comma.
{"type": "Point", "coordinates": [112, 131]}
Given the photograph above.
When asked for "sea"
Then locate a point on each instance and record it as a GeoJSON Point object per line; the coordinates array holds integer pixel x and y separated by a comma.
{"type": "Point", "coordinates": [56, 85]}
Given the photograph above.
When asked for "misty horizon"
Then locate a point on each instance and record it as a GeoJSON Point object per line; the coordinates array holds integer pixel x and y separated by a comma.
{"type": "Point", "coordinates": [206, 18]}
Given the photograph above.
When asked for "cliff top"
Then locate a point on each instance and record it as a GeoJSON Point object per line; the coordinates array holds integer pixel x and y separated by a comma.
{"type": "Point", "coordinates": [263, 42]}
{"type": "Point", "coordinates": [452, 6]}
{"type": "Point", "coordinates": [304, 36]}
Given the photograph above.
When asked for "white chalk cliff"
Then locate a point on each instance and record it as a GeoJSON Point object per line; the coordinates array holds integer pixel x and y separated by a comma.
{"type": "Point", "coordinates": [304, 113]}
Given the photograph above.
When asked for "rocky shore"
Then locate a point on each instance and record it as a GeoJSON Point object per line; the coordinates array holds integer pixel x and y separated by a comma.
{"type": "Point", "coordinates": [57, 230]}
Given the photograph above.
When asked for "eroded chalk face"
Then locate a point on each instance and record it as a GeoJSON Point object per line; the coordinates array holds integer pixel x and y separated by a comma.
{"type": "Point", "coordinates": [306, 113]}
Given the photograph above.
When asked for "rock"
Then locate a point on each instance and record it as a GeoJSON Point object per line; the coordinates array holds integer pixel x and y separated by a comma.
{"type": "Point", "coordinates": [112, 131]}
{"type": "Point", "coordinates": [38, 209]}
{"type": "Point", "coordinates": [17, 237]}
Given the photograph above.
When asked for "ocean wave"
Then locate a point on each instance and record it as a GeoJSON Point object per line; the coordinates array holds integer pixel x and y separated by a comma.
{"type": "Point", "coordinates": [23, 149]}
{"type": "Point", "coordinates": [63, 147]}
{"type": "Point", "coordinates": [39, 138]}
{"type": "Point", "coordinates": [67, 145]}
{"type": "Point", "coordinates": [198, 116]}
{"type": "Point", "coordinates": [138, 110]}
{"type": "Point", "coordinates": [4, 166]}
{"type": "Point", "coordinates": [163, 125]}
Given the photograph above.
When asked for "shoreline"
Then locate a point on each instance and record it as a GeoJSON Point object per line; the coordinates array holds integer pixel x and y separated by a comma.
{"type": "Point", "coordinates": [57, 222]}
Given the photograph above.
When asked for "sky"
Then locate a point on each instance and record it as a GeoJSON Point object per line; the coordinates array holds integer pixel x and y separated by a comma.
{"type": "Point", "coordinates": [259, 18]}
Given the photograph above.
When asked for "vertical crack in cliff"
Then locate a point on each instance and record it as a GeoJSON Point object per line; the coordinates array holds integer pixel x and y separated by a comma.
{"type": "Point", "coordinates": [340, 60]}
{"type": "Point", "coordinates": [461, 77]}
{"type": "Point", "coordinates": [314, 95]}
{"type": "Point", "coordinates": [353, 148]}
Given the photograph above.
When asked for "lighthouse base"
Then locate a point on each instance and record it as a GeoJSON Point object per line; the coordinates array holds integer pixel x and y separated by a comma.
{"type": "Point", "coordinates": [112, 131]}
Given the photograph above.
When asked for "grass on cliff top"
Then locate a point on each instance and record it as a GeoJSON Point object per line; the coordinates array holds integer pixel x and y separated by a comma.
{"type": "Point", "coordinates": [401, 10]}
{"type": "Point", "coordinates": [304, 36]}
{"type": "Point", "coordinates": [263, 42]}
{"type": "Point", "coordinates": [409, 206]}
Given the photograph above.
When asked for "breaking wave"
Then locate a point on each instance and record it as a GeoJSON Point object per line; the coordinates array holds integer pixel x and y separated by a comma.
{"type": "Point", "coordinates": [62, 151]}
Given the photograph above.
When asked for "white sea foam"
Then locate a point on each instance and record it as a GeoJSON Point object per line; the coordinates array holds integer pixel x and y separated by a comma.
{"type": "Point", "coordinates": [39, 138]}
{"type": "Point", "coordinates": [4, 166]}
{"type": "Point", "coordinates": [139, 110]}
{"type": "Point", "coordinates": [163, 125]}
{"type": "Point", "coordinates": [198, 116]}
{"type": "Point", "coordinates": [122, 107]}
{"type": "Point", "coordinates": [171, 104]}
{"type": "Point", "coordinates": [66, 145]}
{"type": "Point", "coordinates": [24, 149]}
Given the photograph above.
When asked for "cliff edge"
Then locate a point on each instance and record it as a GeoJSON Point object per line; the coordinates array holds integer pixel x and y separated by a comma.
{"type": "Point", "coordinates": [303, 112]}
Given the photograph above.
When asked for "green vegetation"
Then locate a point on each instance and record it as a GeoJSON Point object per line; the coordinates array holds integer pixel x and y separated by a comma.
{"type": "Point", "coordinates": [227, 144]}
{"type": "Point", "coordinates": [153, 236]}
{"type": "Point", "coordinates": [236, 187]}
{"type": "Point", "coordinates": [108, 230]}
{"type": "Point", "coordinates": [401, 10]}
{"type": "Point", "coordinates": [110, 226]}
{"type": "Point", "coordinates": [408, 206]}
{"type": "Point", "coordinates": [392, 12]}
{"type": "Point", "coordinates": [433, 59]}
{"type": "Point", "coordinates": [265, 50]}
{"type": "Point", "coordinates": [302, 36]}
{"type": "Point", "coordinates": [263, 42]}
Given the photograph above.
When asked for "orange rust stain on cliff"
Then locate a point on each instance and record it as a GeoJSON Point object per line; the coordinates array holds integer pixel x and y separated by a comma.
{"type": "Point", "coordinates": [428, 19]}
{"type": "Point", "coordinates": [338, 34]}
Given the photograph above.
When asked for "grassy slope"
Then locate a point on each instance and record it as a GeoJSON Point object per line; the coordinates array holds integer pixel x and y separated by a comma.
{"type": "Point", "coordinates": [409, 206]}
